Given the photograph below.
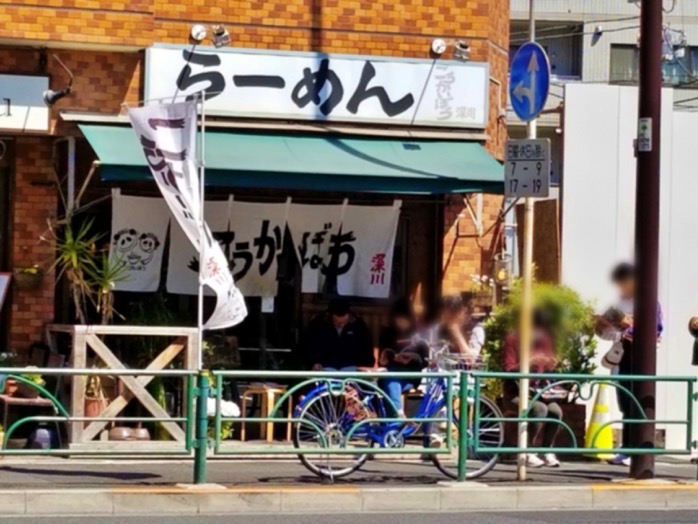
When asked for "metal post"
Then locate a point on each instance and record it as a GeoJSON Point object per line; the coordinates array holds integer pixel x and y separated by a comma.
{"type": "Point", "coordinates": [463, 426]}
{"type": "Point", "coordinates": [202, 227]}
{"type": "Point", "coordinates": [526, 299]}
{"type": "Point", "coordinates": [644, 361]}
{"type": "Point", "coordinates": [201, 429]}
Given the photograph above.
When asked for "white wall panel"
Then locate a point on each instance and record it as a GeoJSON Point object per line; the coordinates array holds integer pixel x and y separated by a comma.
{"type": "Point", "coordinates": [599, 215]}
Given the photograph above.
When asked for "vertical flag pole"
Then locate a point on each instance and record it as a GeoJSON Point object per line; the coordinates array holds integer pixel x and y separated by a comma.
{"type": "Point", "coordinates": [202, 243]}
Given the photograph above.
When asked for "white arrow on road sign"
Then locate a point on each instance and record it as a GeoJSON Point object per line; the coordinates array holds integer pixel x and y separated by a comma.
{"type": "Point", "coordinates": [521, 92]}
{"type": "Point", "coordinates": [529, 81]}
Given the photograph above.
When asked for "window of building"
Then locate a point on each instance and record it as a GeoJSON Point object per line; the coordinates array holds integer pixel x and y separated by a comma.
{"type": "Point", "coordinates": [680, 72]}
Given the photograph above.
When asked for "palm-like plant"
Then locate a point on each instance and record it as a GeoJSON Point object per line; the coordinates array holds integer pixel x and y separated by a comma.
{"type": "Point", "coordinates": [90, 272]}
{"type": "Point", "coordinates": [75, 251]}
{"type": "Point", "coordinates": [104, 273]}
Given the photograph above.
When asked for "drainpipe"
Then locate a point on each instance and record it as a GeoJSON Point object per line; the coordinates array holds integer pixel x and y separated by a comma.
{"type": "Point", "coordinates": [70, 199]}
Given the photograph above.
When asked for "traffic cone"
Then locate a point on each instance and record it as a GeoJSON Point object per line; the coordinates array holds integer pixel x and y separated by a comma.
{"type": "Point", "coordinates": [602, 438]}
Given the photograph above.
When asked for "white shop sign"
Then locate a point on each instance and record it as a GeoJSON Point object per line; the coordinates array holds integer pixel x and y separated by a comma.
{"type": "Point", "coordinates": [308, 86]}
{"type": "Point", "coordinates": [22, 105]}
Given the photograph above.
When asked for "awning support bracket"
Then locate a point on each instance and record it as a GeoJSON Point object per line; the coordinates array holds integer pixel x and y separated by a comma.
{"type": "Point", "coordinates": [475, 213]}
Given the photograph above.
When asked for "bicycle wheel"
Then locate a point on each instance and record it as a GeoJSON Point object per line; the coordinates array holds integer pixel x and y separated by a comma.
{"type": "Point", "coordinates": [491, 435]}
{"type": "Point", "coordinates": [326, 424]}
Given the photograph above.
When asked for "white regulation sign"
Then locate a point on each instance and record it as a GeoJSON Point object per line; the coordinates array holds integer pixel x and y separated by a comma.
{"type": "Point", "coordinates": [527, 168]}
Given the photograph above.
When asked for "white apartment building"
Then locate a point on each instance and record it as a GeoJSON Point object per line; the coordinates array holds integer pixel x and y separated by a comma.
{"type": "Point", "coordinates": [595, 41]}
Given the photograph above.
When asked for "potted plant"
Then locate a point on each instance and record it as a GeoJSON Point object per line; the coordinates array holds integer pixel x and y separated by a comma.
{"type": "Point", "coordinates": [28, 278]}
{"type": "Point", "coordinates": [95, 400]}
{"type": "Point", "coordinates": [8, 360]}
{"type": "Point", "coordinates": [27, 391]}
{"type": "Point", "coordinates": [481, 292]}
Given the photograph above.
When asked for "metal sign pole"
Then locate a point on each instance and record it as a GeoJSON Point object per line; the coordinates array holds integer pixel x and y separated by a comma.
{"type": "Point", "coordinates": [527, 299]}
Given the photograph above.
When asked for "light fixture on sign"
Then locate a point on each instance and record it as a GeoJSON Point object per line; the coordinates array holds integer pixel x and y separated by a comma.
{"type": "Point", "coordinates": [461, 48]}
{"type": "Point", "coordinates": [198, 33]}
{"type": "Point", "coordinates": [51, 96]}
{"type": "Point", "coordinates": [220, 35]}
{"type": "Point", "coordinates": [439, 46]}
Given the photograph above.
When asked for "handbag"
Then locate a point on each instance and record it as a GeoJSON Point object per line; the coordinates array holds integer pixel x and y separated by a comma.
{"type": "Point", "coordinates": [613, 356]}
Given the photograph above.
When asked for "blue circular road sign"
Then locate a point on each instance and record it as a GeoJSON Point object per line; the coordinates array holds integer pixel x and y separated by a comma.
{"type": "Point", "coordinates": [529, 82]}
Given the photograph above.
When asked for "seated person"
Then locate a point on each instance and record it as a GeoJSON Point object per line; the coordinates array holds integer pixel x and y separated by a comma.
{"type": "Point", "coordinates": [450, 328]}
{"type": "Point", "coordinates": [338, 340]}
{"type": "Point", "coordinates": [475, 330]}
{"type": "Point", "coordinates": [399, 353]}
{"type": "Point", "coordinates": [542, 360]}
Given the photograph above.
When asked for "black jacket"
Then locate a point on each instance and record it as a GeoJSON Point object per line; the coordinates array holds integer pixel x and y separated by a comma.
{"type": "Point", "coordinates": [324, 345]}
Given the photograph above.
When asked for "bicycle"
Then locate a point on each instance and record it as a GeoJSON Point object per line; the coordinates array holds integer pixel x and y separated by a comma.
{"type": "Point", "coordinates": [337, 413]}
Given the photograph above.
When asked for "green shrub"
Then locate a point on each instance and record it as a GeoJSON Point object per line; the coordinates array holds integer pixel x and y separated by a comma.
{"type": "Point", "coordinates": [572, 321]}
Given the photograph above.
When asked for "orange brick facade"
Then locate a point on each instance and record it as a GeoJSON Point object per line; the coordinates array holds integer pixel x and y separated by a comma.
{"type": "Point", "coordinates": [101, 41]}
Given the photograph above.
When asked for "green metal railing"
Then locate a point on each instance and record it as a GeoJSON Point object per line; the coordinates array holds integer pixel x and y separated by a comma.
{"type": "Point", "coordinates": [62, 413]}
{"type": "Point", "coordinates": [463, 439]}
{"type": "Point", "coordinates": [337, 382]}
{"type": "Point", "coordinates": [586, 385]}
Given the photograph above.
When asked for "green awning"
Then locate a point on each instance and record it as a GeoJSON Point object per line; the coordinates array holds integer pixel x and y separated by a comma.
{"type": "Point", "coordinates": [315, 162]}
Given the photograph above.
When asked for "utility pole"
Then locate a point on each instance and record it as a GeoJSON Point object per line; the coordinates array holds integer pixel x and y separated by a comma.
{"type": "Point", "coordinates": [644, 354]}
{"type": "Point", "coordinates": [527, 294]}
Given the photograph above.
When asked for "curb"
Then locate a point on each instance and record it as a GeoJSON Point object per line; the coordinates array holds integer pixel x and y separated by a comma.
{"type": "Point", "coordinates": [445, 497]}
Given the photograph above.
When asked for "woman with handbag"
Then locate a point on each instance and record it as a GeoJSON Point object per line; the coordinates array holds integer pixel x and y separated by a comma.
{"type": "Point", "coordinates": [616, 325]}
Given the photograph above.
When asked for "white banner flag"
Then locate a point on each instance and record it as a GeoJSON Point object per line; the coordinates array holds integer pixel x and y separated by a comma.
{"type": "Point", "coordinates": [183, 267]}
{"type": "Point", "coordinates": [314, 231]}
{"type": "Point", "coordinates": [167, 133]}
{"type": "Point", "coordinates": [138, 230]}
{"type": "Point", "coordinates": [374, 228]}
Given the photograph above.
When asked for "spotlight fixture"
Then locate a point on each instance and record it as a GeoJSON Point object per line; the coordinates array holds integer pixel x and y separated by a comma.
{"type": "Point", "coordinates": [220, 35]}
{"type": "Point", "coordinates": [461, 50]}
{"type": "Point", "coordinates": [439, 46]}
{"type": "Point", "coordinates": [51, 96]}
{"type": "Point", "coordinates": [198, 33]}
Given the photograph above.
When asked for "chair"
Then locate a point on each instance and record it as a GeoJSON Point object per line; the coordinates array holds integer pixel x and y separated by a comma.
{"type": "Point", "coordinates": [412, 394]}
{"type": "Point", "coordinates": [269, 395]}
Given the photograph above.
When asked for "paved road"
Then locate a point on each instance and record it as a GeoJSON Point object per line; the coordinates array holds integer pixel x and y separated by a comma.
{"type": "Point", "coordinates": [579, 517]}
{"type": "Point", "coordinates": [59, 473]}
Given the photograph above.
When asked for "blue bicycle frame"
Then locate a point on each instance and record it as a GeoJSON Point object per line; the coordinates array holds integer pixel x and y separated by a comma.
{"type": "Point", "coordinates": [431, 405]}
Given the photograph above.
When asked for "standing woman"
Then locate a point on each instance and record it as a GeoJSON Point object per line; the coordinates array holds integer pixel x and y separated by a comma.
{"type": "Point", "coordinates": [616, 325]}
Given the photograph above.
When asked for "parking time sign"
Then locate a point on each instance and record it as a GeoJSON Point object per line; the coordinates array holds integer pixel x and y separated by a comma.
{"type": "Point", "coordinates": [527, 170]}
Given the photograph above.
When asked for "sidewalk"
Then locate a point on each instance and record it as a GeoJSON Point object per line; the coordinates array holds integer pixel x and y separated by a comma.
{"type": "Point", "coordinates": [57, 473]}
{"type": "Point", "coordinates": [59, 486]}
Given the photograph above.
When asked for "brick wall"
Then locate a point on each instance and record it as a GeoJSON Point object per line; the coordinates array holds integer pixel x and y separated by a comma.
{"type": "Point", "coordinates": [103, 81]}
{"type": "Point", "coordinates": [35, 202]}
{"type": "Point", "coordinates": [108, 72]}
